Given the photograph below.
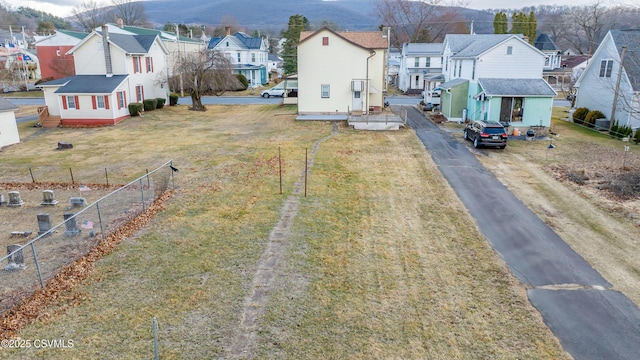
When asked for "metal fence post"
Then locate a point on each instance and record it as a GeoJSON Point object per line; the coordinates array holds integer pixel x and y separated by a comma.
{"type": "Point", "coordinates": [100, 220]}
{"type": "Point", "coordinates": [35, 259]}
{"type": "Point", "coordinates": [144, 207]}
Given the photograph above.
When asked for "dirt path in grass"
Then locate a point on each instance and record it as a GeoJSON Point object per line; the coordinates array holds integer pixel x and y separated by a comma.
{"type": "Point", "coordinates": [246, 335]}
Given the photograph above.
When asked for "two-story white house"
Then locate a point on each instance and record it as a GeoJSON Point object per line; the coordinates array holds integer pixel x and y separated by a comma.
{"type": "Point", "coordinates": [611, 80]}
{"type": "Point", "coordinates": [495, 77]}
{"type": "Point", "coordinates": [248, 54]}
{"type": "Point", "coordinates": [341, 72]}
{"type": "Point", "coordinates": [112, 70]}
{"type": "Point", "coordinates": [420, 67]}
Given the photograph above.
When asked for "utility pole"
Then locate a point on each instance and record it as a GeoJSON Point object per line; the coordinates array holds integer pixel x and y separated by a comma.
{"type": "Point", "coordinates": [179, 59]}
{"type": "Point", "coordinates": [615, 93]}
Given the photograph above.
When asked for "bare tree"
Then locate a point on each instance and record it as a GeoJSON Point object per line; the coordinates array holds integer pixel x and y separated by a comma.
{"type": "Point", "coordinates": [201, 72]}
{"type": "Point", "coordinates": [131, 12]}
{"type": "Point", "coordinates": [417, 21]}
{"type": "Point", "coordinates": [90, 15]}
{"type": "Point", "coordinates": [586, 26]}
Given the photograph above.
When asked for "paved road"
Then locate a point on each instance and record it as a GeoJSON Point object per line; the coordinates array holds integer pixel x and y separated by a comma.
{"type": "Point", "coordinates": [576, 302]}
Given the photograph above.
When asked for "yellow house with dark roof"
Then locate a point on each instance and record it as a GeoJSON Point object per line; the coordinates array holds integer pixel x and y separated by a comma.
{"type": "Point", "coordinates": [341, 72]}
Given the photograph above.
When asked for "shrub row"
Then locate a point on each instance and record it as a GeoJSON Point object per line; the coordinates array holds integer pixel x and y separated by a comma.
{"type": "Point", "coordinates": [147, 105]}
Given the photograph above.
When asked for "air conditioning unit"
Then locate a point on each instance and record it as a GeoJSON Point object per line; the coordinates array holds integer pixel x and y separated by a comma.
{"type": "Point", "coordinates": [356, 85]}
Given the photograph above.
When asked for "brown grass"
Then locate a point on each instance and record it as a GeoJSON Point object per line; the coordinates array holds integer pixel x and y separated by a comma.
{"type": "Point", "coordinates": [382, 260]}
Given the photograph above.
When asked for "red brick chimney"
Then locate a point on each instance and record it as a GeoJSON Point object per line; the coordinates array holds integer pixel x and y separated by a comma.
{"type": "Point", "coordinates": [119, 22]}
{"type": "Point", "coordinates": [227, 30]}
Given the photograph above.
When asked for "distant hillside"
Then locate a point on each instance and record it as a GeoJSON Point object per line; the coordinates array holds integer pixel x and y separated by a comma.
{"type": "Point", "coordinates": [260, 14]}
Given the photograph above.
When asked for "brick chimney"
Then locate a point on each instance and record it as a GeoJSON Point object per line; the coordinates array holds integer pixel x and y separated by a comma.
{"type": "Point", "coordinates": [227, 30]}
{"type": "Point", "coordinates": [119, 22]}
{"type": "Point", "coordinates": [107, 50]}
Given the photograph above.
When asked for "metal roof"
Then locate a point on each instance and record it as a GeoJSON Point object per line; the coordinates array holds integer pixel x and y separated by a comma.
{"type": "Point", "coordinates": [90, 84]}
{"type": "Point", "coordinates": [516, 87]}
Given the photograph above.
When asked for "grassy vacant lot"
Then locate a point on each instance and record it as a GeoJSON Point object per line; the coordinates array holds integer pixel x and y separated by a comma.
{"type": "Point", "coordinates": [381, 260]}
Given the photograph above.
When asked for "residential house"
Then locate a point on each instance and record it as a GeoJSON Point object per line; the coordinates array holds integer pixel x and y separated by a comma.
{"type": "Point", "coordinates": [249, 55]}
{"type": "Point", "coordinates": [8, 126]}
{"type": "Point", "coordinates": [173, 41]}
{"type": "Point", "coordinates": [496, 77]}
{"type": "Point", "coordinates": [341, 72]}
{"type": "Point", "coordinates": [52, 50]}
{"type": "Point", "coordinates": [552, 71]}
{"type": "Point", "coordinates": [420, 67]}
{"type": "Point", "coordinates": [274, 67]}
{"type": "Point", "coordinates": [575, 65]}
{"type": "Point", "coordinates": [394, 56]}
{"type": "Point", "coordinates": [611, 81]}
{"type": "Point", "coordinates": [112, 70]}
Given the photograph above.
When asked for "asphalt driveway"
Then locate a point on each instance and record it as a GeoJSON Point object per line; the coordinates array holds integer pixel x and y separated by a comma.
{"type": "Point", "coordinates": [576, 302]}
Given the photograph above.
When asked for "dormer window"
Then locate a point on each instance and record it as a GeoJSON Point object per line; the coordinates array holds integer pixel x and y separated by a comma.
{"type": "Point", "coordinates": [325, 41]}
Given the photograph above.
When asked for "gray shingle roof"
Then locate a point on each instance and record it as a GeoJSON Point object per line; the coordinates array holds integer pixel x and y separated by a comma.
{"type": "Point", "coordinates": [471, 45]}
{"type": "Point", "coordinates": [544, 42]}
{"type": "Point", "coordinates": [90, 84]}
{"type": "Point", "coordinates": [6, 105]}
{"type": "Point", "coordinates": [516, 87]}
{"type": "Point", "coordinates": [423, 48]}
{"type": "Point", "coordinates": [631, 61]}
{"type": "Point", "coordinates": [453, 83]}
{"type": "Point", "coordinates": [133, 44]}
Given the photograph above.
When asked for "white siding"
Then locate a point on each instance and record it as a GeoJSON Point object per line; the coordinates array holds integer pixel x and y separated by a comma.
{"type": "Point", "coordinates": [525, 62]}
{"type": "Point", "coordinates": [8, 128]}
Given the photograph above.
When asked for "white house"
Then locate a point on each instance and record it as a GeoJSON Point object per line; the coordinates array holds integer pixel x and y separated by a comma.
{"type": "Point", "coordinates": [420, 67]}
{"type": "Point", "coordinates": [495, 77]}
{"type": "Point", "coordinates": [8, 126]}
{"type": "Point", "coordinates": [249, 55]}
{"type": "Point", "coordinates": [112, 70]}
{"type": "Point", "coordinates": [615, 61]}
{"type": "Point", "coordinates": [341, 72]}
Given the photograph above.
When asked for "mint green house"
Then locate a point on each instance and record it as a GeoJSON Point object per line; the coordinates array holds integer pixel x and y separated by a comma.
{"type": "Point", "coordinates": [495, 77]}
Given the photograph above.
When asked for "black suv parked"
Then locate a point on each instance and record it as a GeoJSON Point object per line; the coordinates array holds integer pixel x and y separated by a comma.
{"type": "Point", "coordinates": [486, 133]}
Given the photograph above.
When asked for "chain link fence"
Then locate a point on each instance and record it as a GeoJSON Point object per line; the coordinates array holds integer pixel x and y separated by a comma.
{"type": "Point", "coordinates": [27, 267]}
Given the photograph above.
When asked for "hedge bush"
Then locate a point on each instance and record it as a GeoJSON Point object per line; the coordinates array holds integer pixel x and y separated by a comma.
{"type": "Point", "coordinates": [590, 119]}
{"type": "Point", "coordinates": [135, 108]}
{"type": "Point", "coordinates": [580, 114]}
{"type": "Point", "coordinates": [149, 104]}
{"type": "Point", "coordinates": [173, 99]}
{"type": "Point", "coordinates": [160, 103]}
{"type": "Point", "coordinates": [243, 80]}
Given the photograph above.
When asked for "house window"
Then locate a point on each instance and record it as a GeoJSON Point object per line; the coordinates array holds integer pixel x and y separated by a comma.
{"type": "Point", "coordinates": [446, 64]}
{"type": "Point", "coordinates": [149, 64]}
{"type": "Point", "coordinates": [100, 102]}
{"type": "Point", "coordinates": [71, 102]}
{"type": "Point", "coordinates": [455, 67]}
{"type": "Point", "coordinates": [428, 62]}
{"type": "Point", "coordinates": [416, 62]}
{"type": "Point", "coordinates": [121, 102]}
{"type": "Point", "coordinates": [139, 93]}
{"type": "Point", "coordinates": [324, 91]}
{"type": "Point", "coordinates": [473, 71]}
{"type": "Point", "coordinates": [137, 65]}
{"type": "Point", "coordinates": [417, 84]}
{"type": "Point", "coordinates": [605, 68]}
{"type": "Point", "coordinates": [509, 50]}
{"type": "Point", "coordinates": [546, 61]}
{"type": "Point", "coordinates": [460, 68]}
{"type": "Point", "coordinates": [253, 57]}
{"type": "Point", "coordinates": [238, 57]}
{"type": "Point", "coordinates": [325, 41]}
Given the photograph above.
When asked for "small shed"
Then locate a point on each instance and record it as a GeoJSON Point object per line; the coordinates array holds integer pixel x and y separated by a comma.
{"type": "Point", "coordinates": [8, 125]}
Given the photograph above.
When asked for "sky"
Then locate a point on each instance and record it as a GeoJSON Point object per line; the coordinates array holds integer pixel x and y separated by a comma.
{"type": "Point", "coordinates": [62, 8]}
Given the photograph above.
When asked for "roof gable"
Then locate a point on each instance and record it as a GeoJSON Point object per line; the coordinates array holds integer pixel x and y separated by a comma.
{"type": "Point", "coordinates": [631, 62]}
{"type": "Point", "coordinates": [365, 39]}
{"type": "Point", "coordinates": [544, 42]}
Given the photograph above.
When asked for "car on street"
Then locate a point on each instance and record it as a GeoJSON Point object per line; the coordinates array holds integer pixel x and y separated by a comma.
{"type": "Point", "coordinates": [486, 133]}
{"type": "Point", "coordinates": [277, 90]}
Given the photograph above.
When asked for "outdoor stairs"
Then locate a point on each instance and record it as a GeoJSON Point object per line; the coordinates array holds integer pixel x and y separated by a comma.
{"type": "Point", "coordinates": [46, 120]}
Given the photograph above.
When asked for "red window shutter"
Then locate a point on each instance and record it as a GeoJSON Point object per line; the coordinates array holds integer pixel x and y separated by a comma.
{"type": "Point", "coordinates": [138, 93]}
{"type": "Point", "coordinates": [77, 103]}
{"type": "Point", "coordinates": [146, 64]}
{"type": "Point", "coordinates": [106, 102]}
{"type": "Point", "coordinates": [134, 64]}
{"type": "Point", "coordinates": [124, 95]}
{"type": "Point", "coordinates": [93, 102]}
{"type": "Point", "coordinates": [64, 102]}
{"type": "Point", "coordinates": [142, 91]}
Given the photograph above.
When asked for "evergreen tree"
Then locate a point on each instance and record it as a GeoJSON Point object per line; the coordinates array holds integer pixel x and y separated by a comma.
{"type": "Point", "coordinates": [297, 24]}
{"type": "Point", "coordinates": [533, 27]}
{"type": "Point", "coordinates": [500, 23]}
